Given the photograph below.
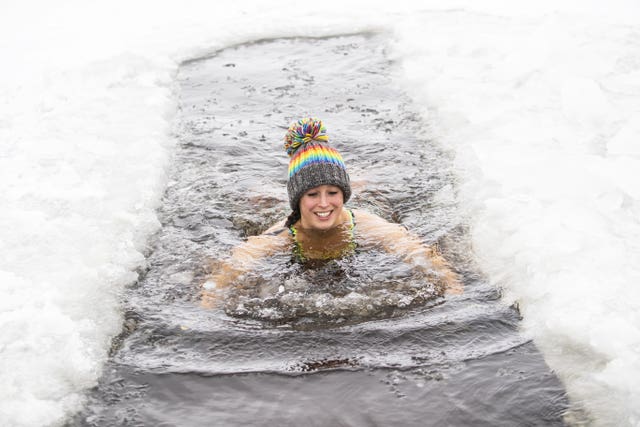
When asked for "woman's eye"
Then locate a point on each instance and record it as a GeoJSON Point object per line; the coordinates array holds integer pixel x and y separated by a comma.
{"type": "Point", "coordinates": [312, 194]}
{"type": "Point", "coordinates": [333, 193]}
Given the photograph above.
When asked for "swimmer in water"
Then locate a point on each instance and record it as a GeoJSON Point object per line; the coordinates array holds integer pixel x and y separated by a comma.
{"type": "Point", "coordinates": [320, 227]}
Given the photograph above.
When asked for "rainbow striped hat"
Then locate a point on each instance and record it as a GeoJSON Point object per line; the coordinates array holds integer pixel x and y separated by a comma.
{"type": "Point", "coordinates": [312, 162]}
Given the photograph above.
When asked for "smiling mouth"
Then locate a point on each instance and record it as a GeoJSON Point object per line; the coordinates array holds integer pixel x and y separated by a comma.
{"type": "Point", "coordinates": [323, 214]}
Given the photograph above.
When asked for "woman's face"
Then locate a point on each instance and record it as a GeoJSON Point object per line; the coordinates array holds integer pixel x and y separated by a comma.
{"type": "Point", "coordinates": [321, 207]}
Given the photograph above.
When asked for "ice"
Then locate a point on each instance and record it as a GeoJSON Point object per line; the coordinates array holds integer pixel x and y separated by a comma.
{"type": "Point", "coordinates": [539, 103]}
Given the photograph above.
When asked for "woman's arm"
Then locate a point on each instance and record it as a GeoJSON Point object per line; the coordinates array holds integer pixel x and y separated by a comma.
{"type": "Point", "coordinates": [396, 239]}
{"type": "Point", "coordinates": [243, 258]}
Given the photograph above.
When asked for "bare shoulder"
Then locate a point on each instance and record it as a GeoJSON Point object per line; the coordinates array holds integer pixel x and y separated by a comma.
{"type": "Point", "coordinates": [270, 238]}
{"type": "Point", "coordinates": [367, 218]}
{"type": "Point", "coordinates": [372, 222]}
{"type": "Point", "coordinates": [275, 239]}
{"type": "Point", "coordinates": [276, 228]}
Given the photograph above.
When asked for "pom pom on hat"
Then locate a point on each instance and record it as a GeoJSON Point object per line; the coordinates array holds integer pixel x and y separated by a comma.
{"type": "Point", "coordinates": [302, 132]}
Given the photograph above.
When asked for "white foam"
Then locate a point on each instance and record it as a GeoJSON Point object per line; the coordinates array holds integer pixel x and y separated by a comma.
{"type": "Point", "coordinates": [539, 102]}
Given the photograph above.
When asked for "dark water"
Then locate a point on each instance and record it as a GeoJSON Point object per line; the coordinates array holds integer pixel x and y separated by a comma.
{"type": "Point", "coordinates": [361, 350]}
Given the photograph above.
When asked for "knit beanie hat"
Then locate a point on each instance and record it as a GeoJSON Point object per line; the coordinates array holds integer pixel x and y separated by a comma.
{"type": "Point", "coordinates": [312, 162]}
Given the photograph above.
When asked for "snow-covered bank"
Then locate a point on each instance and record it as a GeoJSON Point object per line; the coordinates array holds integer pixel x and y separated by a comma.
{"type": "Point", "coordinates": [540, 104]}
{"type": "Point", "coordinates": [543, 114]}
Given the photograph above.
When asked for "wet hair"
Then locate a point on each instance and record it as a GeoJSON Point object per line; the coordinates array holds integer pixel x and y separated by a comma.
{"type": "Point", "coordinates": [293, 218]}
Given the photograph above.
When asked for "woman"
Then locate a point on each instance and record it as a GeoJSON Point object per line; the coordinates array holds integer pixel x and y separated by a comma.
{"type": "Point", "coordinates": [320, 227]}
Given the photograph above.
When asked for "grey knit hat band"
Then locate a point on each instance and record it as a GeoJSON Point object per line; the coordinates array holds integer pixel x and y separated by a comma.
{"type": "Point", "coordinates": [314, 175]}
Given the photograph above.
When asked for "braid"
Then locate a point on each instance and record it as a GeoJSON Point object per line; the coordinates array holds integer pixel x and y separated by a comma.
{"type": "Point", "coordinates": [293, 218]}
